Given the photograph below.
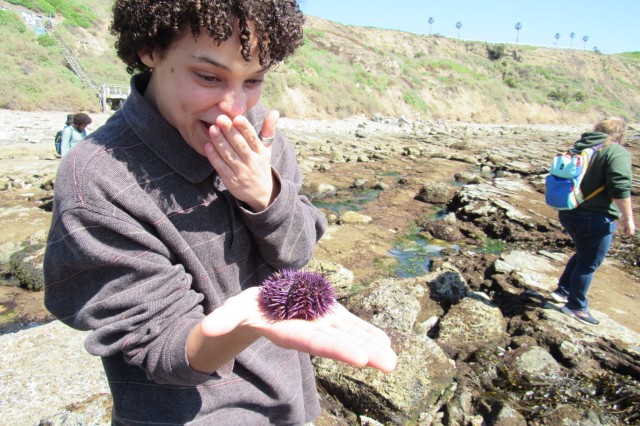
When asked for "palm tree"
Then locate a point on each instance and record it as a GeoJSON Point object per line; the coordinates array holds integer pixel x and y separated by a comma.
{"type": "Point", "coordinates": [572, 35]}
{"type": "Point", "coordinates": [585, 39]}
{"type": "Point", "coordinates": [557, 36]}
{"type": "Point", "coordinates": [518, 26]}
{"type": "Point", "coordinates": [430, 22]}
{"type": "Point", "coordinates": [458, 26]}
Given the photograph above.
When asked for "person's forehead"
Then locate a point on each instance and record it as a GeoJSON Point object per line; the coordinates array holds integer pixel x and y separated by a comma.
{"type": "Point", "coordinates": [206, 49]}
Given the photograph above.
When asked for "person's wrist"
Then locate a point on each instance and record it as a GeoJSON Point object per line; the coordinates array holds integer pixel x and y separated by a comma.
{"type": "Point", "coordinates": [267, 198]}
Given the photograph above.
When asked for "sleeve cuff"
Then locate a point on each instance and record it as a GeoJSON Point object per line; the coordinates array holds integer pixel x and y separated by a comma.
{"type": "Point", "coordinates": [179, 363]}
{"type": "Point", "coordinates": [280, 207]}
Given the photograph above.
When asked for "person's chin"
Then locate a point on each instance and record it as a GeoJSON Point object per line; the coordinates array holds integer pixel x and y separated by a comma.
{"type": "Point", "coordinates": [198, 147]}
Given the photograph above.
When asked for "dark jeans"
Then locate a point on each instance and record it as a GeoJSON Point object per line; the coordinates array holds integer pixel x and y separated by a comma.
{"type": "Point", "coordinates": [591, 234]}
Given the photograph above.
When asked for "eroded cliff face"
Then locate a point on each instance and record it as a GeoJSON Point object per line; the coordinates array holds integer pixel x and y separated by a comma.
{"type": "Point", "coordinates": [343, 71]}
{"type": "Point", "coordinates": [434, 77]}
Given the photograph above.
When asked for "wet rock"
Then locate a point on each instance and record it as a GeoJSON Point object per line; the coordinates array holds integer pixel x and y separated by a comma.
{"type": "Point", "coordinates": [7, 250]}
{"type": "Point", "coordinates": [523, 341]}
{"type": "Point", "coordinates": [488, 206]}
{"type": "Point", "coordinates": [521, 167]}
{"type": "Point", "coordinates": [380, 186]}
{"type": "Point", "coordinates": [391, 305]}
{"type": "Point", "coordinates": [467, 178]}
{"type": "Point", "coordinates": [469, 159]}
{"type": "Point", "coordinates": [368, 421]}
{"type": "Point", "coordinates": [331, 216]}
{"type": "Point", "coordinates": [535, 364]}
{"type": "Point", "coordinates": [441, 230]}
{"type": "Point", "coordinates": [379, 156]}
{"type": "Point", "coordinates": [46, 203]}
{"type": "Point", "coordinates": [496, 159]}
{"type": "Point", "coordinates": [422, 382]}
{"type": "Point", "coordinates": [337, 157]}
{"type": "Point", "coordinates": [458, 411]}
{"type": "Point", "coordinates": [410, 150]}
{"type": "Point", "coordinates": [359, 183]}
{"type": "Point", "coordinates": [471, 324]}
{"type": "Point", "coordinates": [401, 304]}
{"type": "Point", "coordinates": [354, 218]}
{"type": "Point", "coordinates": [47, 183]}
{"type": "Point", "coordinates": [95, 410]}
{"type": "Point", "coordinates": [26, 266]}
{"type": "Point", "coordinates": [554, 327]}
{"type": "Point", "coordinates": [46, 372]}
{"type": "Point", "coordinates": [574, 416]}
{"type": "Point", "coordinates": [320, 190]}
{"type": "Point", "coordinates": [450, 218]}
{"type": "Point", "coordinates": [306, 166]}
{"type": "Point", "coordinates": [505, 415]}
{"type": "Point", "coordinates": [531, 270]}
{"type": "Point", "coordinates": [338, 275]}
{"type": "Point", "coordinates": [435, 193]}
{"type": "Point", "coordinates": [572, 354]}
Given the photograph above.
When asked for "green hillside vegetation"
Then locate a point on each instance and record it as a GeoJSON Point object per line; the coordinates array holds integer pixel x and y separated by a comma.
{"type": "Point", "coordinates": [33, 72]}
{"type": "Point", "coordinates": [75, 13]}
{"type": "Point", "coordinates": [368, 70]}
{"type": "Point", "coordinates": [343, 71]}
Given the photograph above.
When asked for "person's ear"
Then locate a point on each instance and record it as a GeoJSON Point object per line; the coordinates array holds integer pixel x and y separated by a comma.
{"type": "Point", "coordinates": [148, 57]}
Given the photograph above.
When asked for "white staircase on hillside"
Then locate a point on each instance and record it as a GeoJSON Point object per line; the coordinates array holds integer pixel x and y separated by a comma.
{"type": "Point", "coordinates": [75, 65]}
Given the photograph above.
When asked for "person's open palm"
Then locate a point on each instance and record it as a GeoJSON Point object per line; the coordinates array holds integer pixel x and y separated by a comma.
{"type": "Point", "coordinates": [339, 335]}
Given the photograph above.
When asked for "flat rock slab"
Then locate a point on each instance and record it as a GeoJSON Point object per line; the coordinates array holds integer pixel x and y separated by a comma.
{"type": "Point", "coordinates": [44, 370]}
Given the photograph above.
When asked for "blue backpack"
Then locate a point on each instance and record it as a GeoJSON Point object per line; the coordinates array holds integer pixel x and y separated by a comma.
{"type": "Point", "coordinates": [562, 185]}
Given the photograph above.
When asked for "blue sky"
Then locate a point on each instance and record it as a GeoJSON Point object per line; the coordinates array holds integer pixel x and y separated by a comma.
{"type": "Point", "coordinates": [612, 26]}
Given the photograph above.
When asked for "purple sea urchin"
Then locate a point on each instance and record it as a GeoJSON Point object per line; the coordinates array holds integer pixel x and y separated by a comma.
{"type": "Point", "coordinates": [290, 294]}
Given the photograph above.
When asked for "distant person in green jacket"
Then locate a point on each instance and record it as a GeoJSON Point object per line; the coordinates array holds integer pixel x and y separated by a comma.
{"type": "Point", "coordinates": [74, 133]}
{"type": "Point", "coordinates": [592, 224]}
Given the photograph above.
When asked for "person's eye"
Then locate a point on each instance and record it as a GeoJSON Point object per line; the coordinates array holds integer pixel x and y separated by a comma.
{"type": "Point", "coordinates": [254, 82]}
{"type": "Point", "coordinates": [207, 78]}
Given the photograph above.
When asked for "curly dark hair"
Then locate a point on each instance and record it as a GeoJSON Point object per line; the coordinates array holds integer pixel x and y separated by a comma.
{"type": "Point", "coordinates": [81, 118]}
{"type": "Point", "coordinates": [155, 24]}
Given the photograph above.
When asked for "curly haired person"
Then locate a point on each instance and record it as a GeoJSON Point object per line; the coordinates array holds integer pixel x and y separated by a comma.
{"type": "Point", "coordinates": [177, 209]}
{"type": "Point", "coordinates": [592, 224]}
{"type": "Point", "coordinates": [74, 132]}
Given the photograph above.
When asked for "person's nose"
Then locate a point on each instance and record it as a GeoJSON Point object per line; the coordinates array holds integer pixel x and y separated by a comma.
{"type": "Point", "coordinates": [234, 102]}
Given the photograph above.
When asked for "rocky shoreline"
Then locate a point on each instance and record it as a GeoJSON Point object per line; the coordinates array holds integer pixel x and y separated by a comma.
{"type": "Point", "coordinates": [478, 340]}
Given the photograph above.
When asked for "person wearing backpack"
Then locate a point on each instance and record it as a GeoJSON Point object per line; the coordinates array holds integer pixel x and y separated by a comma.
{"type": "Point", "coordinates": [592, 223]}
{"type": "Point", "coordinates": [58, 137]}
{"type": "Point", "coordinates": [74, 133]}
